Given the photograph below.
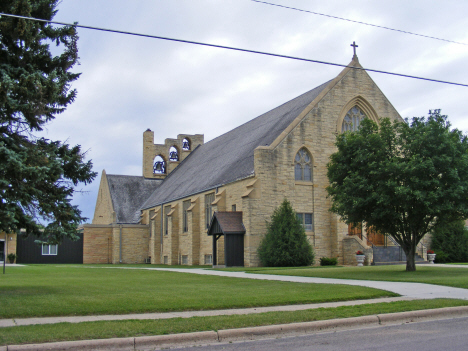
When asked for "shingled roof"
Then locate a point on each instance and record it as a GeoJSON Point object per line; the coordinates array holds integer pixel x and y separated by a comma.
{"type": "Point", "coordinates": [227, 223]}
{"type": "Point", "coordinates": [128, 193]}
{"type": "Point", "coordinates": [229, 157]}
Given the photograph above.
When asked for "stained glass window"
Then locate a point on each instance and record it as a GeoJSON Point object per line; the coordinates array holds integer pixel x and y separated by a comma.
{"type": "Point", "coordinates": [209, 208]}
{"type": "Point", "coordinates": [352, 120]}
{"type": "Point", "coordinates": [303, 166]}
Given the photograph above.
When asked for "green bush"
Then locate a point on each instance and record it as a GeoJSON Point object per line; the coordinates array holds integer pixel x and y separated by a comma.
{"type": "Point", "coordinates": [328, 261]}
{"type": "Point", "coordinates": [285, 243]}
{"type": "Point", "coordinates": [450, 242]}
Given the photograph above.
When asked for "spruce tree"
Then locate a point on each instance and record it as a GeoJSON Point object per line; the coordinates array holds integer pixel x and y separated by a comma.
{"type": "Point", "coordinates": [285, 243]}
{"type": "Point", "coordinates": [37, 175]}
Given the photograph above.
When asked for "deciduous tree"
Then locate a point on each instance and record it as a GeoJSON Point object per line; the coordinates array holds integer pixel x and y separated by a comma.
{"type": "Point", "coordinates": [403, 179]}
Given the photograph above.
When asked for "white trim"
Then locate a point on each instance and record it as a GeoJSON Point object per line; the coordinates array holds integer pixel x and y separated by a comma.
{"type": "Point", "coordinates": [49, 250]}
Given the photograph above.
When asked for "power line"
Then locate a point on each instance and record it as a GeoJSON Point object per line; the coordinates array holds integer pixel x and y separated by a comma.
{"type": "Point", "coordinates": [359, 22]}
{"type": "Point", "coordinates": [232, 48]}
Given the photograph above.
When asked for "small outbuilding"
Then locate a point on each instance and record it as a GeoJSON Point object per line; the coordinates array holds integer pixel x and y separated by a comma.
{"type": "Point", "coordinates": [229, 225]}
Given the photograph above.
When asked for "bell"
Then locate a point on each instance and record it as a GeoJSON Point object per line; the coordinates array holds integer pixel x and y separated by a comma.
{"type": "Point", "coordinates": [185, 145]}
{"type": "Point", "coordinates": [173, 156]}
{"type": "Point", "coordinates": [158, 166]}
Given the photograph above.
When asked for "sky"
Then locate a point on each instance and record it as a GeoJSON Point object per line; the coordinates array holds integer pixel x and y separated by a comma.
{"type": "Point", "coordinates": [129, 84]}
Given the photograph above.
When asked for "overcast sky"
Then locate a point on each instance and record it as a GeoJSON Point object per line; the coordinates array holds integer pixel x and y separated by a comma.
{"type": "Point", "coordinates": [129, 84]}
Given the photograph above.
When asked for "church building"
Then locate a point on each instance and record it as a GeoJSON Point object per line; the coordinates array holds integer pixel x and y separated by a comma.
{"type": "Point", "coordinates": [200, 203]}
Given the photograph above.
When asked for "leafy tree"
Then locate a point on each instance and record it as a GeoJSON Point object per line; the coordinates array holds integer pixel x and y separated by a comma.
{"type": "Point", "coordinates": [450, 242]}
{"type": "Point", "coordinates": [37, 175]}
{"type": "Point", "coordinates": [401, 178]}
{"type": "Point", "coordinates": [285, 243]}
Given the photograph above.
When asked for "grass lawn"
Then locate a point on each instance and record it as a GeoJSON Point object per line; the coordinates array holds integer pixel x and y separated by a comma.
{"type": "Point", "coordinates": [132, 328]}
{"type": "Point", "coordinates": [449, 276]}
{"type": "Point", "coordinates": [61, 290]}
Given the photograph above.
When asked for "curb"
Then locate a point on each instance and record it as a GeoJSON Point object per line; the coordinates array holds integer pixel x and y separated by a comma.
{"type": "Point", "coordinates": [251, 333]}
{"type": "Point", "coordinates": [408, 317]}
{"type": "Point", "coordinates": [294, 329]}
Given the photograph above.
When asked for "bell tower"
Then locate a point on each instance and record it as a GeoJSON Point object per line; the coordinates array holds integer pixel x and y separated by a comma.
{"type": "Point", "coordinates": [161, 159]}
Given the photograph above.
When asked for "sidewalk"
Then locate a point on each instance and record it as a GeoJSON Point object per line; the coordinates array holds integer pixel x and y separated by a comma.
{"type": "Point", "coordinates": [167, 315]}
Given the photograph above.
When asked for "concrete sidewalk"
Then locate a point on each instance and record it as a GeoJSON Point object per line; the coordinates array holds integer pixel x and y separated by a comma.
{"type": "Point", "coordinates": [188, 314]}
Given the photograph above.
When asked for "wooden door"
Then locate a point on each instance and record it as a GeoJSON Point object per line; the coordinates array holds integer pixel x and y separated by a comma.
{"type": "Point", "coordinates": [355, 229]}
{"type": "Point", "coordinates": [375, 238]}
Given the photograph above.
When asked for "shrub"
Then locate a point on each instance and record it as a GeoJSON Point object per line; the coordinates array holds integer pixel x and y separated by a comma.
{"type": "Point", "coordinates": [450, 242]}
{"type": "Point", "coordinates": [285, 243]}
{"type": "Point", "coordinates": [11, 257]}
{"type": "Point", "coordinates": [328, 261]}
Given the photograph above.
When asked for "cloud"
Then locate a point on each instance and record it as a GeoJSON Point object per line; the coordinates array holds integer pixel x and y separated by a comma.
{"type": "Point", "coordinates": [129, 84]}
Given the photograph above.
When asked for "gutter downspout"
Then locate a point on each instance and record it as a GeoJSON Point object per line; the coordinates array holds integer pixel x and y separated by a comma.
{"type": "Point", "coordinates": [162, 229]}
{"type": "Point", "coordinates": [120, 244]}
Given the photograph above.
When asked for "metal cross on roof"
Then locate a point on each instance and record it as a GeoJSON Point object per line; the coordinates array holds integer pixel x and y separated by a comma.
{"type": "Point", "coordinates": [354, 47]}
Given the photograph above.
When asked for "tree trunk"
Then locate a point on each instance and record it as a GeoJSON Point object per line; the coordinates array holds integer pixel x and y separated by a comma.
{"type": "Point", "coordinates": [410, 265]}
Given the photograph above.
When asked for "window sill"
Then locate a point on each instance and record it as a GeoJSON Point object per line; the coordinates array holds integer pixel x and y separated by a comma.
{"type": "Point", "coordinates": [303, 182]}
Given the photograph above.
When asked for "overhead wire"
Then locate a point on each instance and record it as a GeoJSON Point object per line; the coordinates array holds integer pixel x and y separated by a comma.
{"type": "Point", "coordinates": [358, 22]}
{"type": "Point", "coordinates": [231, 48]}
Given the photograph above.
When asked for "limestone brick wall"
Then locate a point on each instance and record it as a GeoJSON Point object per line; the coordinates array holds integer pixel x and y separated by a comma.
{"type": "Point", "coordinates": [151, 150]}
{"type": "Point", "coordinates": [174, 234]}
{"type": "Point", "coordinates": [195, 233]}
{"type": "Point", "coordinates": [97, 244]}
{"type": "Point", "coordinates": [10, 241]}
{"type": "Point", "coordinates": [135, 243]}
{"type": "Point", "coordinates": [155, 237]}
{"type": "Point", "coordinates": [167, 242]}
{"type": "Point", "coordinates": [274, 164]}
{"type": "Point", "coordinates": [352, 244]}
{"type": "Point", "coordinates": [104, 212]}
{"type": "Point", "coordinates": [195, 243]}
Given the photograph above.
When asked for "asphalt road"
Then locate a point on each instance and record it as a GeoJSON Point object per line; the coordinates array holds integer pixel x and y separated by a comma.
{"type": "Point", "coordinates": [446, 335]}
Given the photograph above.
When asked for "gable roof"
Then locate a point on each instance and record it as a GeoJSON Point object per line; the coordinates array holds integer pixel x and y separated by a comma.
{"type": "Point", "coordinates": [229, 157]}
{"type": "Point", "coordinates": [226, 223]}
{"type": "Point", "coordinates": [127, 195]}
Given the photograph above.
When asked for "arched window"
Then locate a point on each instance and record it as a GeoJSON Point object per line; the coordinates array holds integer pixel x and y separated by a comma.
{"type": "Point", "coordinates": [352, 120]}
{"type": "Point", "coordinates": [159, 166]}
{"type": "Point", "coordinates": [185, 144]}
{"type": "Point", "coordinates": [303, 165]}
{"type": "Point", "coordinates": [173, 154]}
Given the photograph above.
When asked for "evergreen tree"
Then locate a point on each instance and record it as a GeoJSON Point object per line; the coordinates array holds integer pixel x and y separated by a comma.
{"type": "Point", "coordinates": [285, 243]}
{"type": "Point", "coordinates": [450, 242]}
{"type": "Point", "coordinates": [37, 175]}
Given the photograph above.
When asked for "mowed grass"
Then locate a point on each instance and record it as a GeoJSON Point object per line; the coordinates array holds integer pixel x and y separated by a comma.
{"type": "Point", "coordinates": [51, 290]}
{"type": "Point", "coordinates": [134, 328]}
{"type": "Point", "coordinates": [449, 276]}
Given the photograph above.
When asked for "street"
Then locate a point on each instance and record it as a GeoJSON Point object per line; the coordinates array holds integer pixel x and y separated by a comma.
{"type": "Point", "coordinates": [447, 335]}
